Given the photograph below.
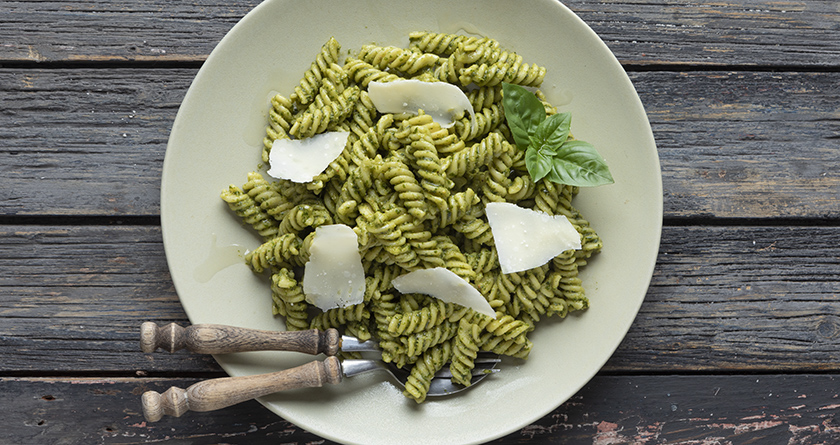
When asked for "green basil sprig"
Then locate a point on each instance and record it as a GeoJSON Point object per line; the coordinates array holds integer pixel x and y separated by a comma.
{"type": "Point", "coordinates": [549, 153]}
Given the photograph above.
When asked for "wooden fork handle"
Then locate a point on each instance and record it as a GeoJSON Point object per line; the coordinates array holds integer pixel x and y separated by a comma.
{"type": "Point", "coordinates": [211, 395]}
{"type": "Point", "coordinates": [222, 339]}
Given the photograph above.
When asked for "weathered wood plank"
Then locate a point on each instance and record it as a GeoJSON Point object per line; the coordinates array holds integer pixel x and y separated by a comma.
{"type": "Point", "coordinates": [100, 31]}
{"type": "Point", "coordinates": [86, 141]}
{"type": "Point", "coordinates": [78, 294]}
{"type": "Point", "coordinates": [756, 299]}
{"type": "Point", "coordinates": [729, 32]}
{"type": "Point", "coordinates": [609, 410]}
{"type": "Point", "coordinates": [739, 298]}
{"type": "Point", "coordinates": [732, 145]}
{"type": "Point", "coordinates": [741, 144]}
{"type": "Point", "coordinates": [734, 32]}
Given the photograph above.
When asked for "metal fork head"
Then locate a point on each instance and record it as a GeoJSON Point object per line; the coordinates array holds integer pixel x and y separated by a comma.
{"type": "Point", "coordinates": [441, 384]}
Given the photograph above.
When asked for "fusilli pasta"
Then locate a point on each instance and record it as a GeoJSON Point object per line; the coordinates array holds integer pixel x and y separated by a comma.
{"type": "Point", "coordinates": [414, 193]}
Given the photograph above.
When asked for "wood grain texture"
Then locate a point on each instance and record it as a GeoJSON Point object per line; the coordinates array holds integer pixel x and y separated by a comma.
{"type": "Point", "coordinates": [750, 299]}
{"type": "Point", "coordinates": [746, 144]}
{"type": "Point", "coordinates": [731, 145]}
{"type": "Point", "coordinates": [80, 301]}
{"type": "Point", "coordinates": [85, 142]}
{"type": "Point", "coordinates": [747, 299]}
{"type": "Point", "coordinates": [639, 32]}
{"type": "Point", "coordinates": [771, 409]}
{"type": "Point", "coordinates": [108, 31]}
{"type": "Point", "coordinates": [736, 340]}
{"type": "Point", "coordinates": [717, 33]}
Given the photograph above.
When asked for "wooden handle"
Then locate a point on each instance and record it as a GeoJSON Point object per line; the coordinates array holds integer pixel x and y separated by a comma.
{"type": "Point", "coordinates": [221, 339]}
{"type": "Point", "coordinates": [211, 395]}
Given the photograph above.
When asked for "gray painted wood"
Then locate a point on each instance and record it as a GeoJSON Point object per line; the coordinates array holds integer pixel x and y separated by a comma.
{"type": "Point", "coordinates": [650, 32]}
{"type": "Point", "coordinates": [770, 409]}
{"type": "Point", "coordinates": [739, 298]}
{"type": "Point", "coordinates": [731, 144]}
{"type": "Point", "coordinates": [736, 340]}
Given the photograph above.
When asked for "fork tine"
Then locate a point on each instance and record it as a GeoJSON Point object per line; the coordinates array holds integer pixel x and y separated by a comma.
{"type": "Point", "coordinates": [487, 354]}
{"type": "Point", "coordinates": [482, 367]}
{"type": "Point", "coordinates": [483, 371]}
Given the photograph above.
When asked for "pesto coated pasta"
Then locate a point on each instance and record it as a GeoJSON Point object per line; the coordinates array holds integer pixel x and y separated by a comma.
{"type": "Point", "coordinates": [414, 193]}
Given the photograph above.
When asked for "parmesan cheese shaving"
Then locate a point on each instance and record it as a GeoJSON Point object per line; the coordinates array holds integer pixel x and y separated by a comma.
{"type": "Point", "coordinates": [443, 101]}
{"type": "Point", "coordinates": [300, 160]}
{"type": "Point", "coordinates": [444, 285]}
{"type": "Point", "coordinates": [334, 277]}
{"type": "Point", "coordinates": [528, 238]}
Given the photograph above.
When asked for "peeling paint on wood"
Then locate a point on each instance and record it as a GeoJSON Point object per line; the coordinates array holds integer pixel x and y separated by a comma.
{"type": "Point", "coordinates": [609, 410]}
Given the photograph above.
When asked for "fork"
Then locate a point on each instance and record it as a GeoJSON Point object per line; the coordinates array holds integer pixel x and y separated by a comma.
{"type": "Point", "coordinates": [210, 395]}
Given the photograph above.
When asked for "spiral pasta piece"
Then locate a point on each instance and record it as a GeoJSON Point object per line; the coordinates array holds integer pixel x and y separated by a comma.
{"type": "Point", "coordinates": [267, 197]}
{"type": "Point", "coordinates": [246, 208]}
{"type": "Point", "coordinates": [418, 342]}
{"type": "Point", "coordinates": [521, 188]}
{"type": "Point", "coordinates": [280, 251]}
{"type": "Point", "coordinates": [485, 96]}
{"type": "Point", "coordinates": [475, 229]}
{"type": "Point", "coordinates": [423, 371]}
{"type": "Point", "coordinates": [499, 345]}
{"type": "Point", "coordinates": [464, 352]}
{"type": "Point", "coordinates": [486, 120]}
{"type": "Point", "coordinates": [423, 244]}
{"type": "Point", "coordinates": [481, 50]}
{"type": "Point", "coordinates": [362, 119]}
{"type": "Point", "coordinates": [497, 178]}
{"type": "Point", "coordinates": [317, 121]}
{"type": "Point", "coordinates": [353, 192]}
{"type": "Point", "coordinates": [307, 89]}
{"type": "Point", "coordinates": [333, 83]}
{"type": "Point", "coordinates": [508, 69]}
{"type": "Point", "coordinates": [402, 179]}
{"type": "Point", "coordinates": [447, 71]}
{"type": "Point", "coordinates": [441, 44]}
{"type": "Point", "coordinates": [454, 259]}
{"type": "Point", "coordinates": [459, 205]}
{"type": "Point", "coordinates": [290, 300]}
{"type": "Point", "coordinates": [385, 227]}
{"type": "Point", "coordinates": [549, 108]}
{"type": "Point", "coordinates": [467, 162]}
{"type": "Point", "coordinates": [338, 317]}
{"type": "Point", "coordinates": [309, 214]}
{"type": "Point", "coordinates": [364, 73]}
{"type": "Point", "coordinates": [484, 260]}
{"type": "Point", "coordinates": [425, 159]}
{"type": "Point", "coordinates": [280, 116]}
{"type": "Point", "coordinates": [390, 57]}
{"type": "Point", "coordinates": [421, 319]}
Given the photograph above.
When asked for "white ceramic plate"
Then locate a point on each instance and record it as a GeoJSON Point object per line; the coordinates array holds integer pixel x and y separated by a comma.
{"type": "Point", "coordinates": [216, 140]}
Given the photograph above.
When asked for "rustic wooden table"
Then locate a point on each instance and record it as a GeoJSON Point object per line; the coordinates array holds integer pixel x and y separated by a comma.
{"type": "Point", "coordinates": [737, 341]}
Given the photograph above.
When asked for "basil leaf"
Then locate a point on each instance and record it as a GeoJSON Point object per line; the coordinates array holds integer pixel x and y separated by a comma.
{"type": "Point", "coordinates": [523, 112]}
{"type": "Point", "coordinates": [538, 163]}
{"type": "Point", "coordinates": [577, 163]}
{"type": "Point", "coordinates": [548, 152]}
{"type": "Point", "coordinates": [553, 131]}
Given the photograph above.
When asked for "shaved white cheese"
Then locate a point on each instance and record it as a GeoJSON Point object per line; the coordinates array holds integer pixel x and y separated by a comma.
{"type": "Point", "coordinates": [443, 101]}
{"type": "Point", "coordinates": [443, 284]}
{"type": "Point", "coordinates": [528, 238]}
{"type": "Point", "coordinates": [334, 277]}
{"type": "Point", "coordinates": [300, 160]}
